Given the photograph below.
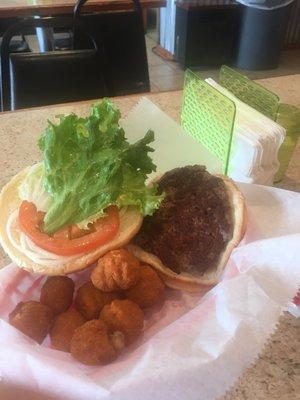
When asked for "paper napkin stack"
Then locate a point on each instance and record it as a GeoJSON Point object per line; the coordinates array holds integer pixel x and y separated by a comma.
{"type": "Point", "coordinates": [256, 141]}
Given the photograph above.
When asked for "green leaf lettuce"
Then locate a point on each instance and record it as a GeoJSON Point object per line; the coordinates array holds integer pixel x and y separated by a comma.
{"type": "Point", "coordinates": [89, 165]}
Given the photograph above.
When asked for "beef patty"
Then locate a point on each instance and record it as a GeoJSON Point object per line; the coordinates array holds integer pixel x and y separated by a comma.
{"type": "Point", "coordinates": [193, 224]}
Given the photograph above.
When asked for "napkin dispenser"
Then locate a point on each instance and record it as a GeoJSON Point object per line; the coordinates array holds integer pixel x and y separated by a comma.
{"type": "Point", "coordinates": [246, 140]}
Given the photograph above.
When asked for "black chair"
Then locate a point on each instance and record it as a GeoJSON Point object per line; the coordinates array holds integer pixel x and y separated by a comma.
{"type": "Point", "coordinates": [34, 79]}
{"type": "Point", "coordinates": [121, 35]}
{"type": "Point", "coordinates": [16, 45]}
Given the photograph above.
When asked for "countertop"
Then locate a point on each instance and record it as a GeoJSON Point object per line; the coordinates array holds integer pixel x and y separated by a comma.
{"type": "Point", "coordinates": [276, 373]}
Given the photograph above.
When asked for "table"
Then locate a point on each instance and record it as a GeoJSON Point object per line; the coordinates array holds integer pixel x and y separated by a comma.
{"type": "Point", "coordinates": [28, 8]}
{"type": "Point", "coordinates": [274, 374]}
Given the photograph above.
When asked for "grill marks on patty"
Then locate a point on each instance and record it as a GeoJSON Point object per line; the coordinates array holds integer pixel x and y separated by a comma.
{"type": "Point", "coordinates": [193, 224]}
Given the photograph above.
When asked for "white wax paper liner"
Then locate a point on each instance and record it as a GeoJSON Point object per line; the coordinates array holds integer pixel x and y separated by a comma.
{"type": "Point", "coordinates": [194, 346]}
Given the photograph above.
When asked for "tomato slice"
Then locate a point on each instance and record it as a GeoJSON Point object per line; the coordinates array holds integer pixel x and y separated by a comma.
{"type": "Point", "coordinates": [61, 243]}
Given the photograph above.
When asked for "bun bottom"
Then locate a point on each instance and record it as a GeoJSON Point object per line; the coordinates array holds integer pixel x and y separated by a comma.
{"type": "Point", "coordinates": [190, 282]}
{"type": "Point", "coordinates": [130, 223]}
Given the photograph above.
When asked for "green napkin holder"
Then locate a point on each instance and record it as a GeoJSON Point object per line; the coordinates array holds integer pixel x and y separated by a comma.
{"type": "Point", "coordinates": [208, 116]}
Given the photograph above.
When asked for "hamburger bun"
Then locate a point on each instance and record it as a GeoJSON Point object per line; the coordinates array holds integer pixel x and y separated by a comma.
{"type": "Point", "coordinates": [130, 222]}
{"type": "Point", "coordinates": [191, 281]}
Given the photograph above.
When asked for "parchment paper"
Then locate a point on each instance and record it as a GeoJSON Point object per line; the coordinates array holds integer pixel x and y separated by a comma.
{"type": "Point", "coordinates": [194, 346]}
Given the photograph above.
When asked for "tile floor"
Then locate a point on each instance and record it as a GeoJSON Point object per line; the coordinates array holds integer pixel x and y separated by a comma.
{"type": "Point", "coordinates": [168, 75]}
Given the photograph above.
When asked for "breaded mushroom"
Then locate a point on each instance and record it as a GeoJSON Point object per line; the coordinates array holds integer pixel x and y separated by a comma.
{"type": "Point", "coordinates": [57, 293]}
{"type": "Point", "coordinates": [124, 316]}
{"type": "Point", "coordinates": [118, 269]}
{"type": "Point", "coordinates": [89, 301]}
{"type": "Point", "coordinates": [33, 319]}
{"type": "Point", "coordinates": [63, 328]}
{"type": "Point", "coordinates": [92, 345]}
{"type": "Point", "coordinates": [149, 290]}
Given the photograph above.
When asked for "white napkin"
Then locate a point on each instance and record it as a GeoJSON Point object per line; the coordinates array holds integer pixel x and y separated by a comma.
{"type": "Point", "coordinates": [256, 143]}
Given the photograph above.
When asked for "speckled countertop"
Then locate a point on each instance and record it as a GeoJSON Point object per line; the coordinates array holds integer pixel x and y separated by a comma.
{"type": "Point", "coordinates": [276, 373]}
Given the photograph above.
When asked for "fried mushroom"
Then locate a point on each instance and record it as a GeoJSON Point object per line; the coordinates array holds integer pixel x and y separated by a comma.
{"type": "Point", "coordinates": [32, 318]}
{"type": "Point", "coordinates": [57, 293]}
{"type": "Point", "coordinates": [89, 300]}
{"type": "Point", "coordinates": [124, 316]}
{"type": "Point", "coordinates": [92, 345]}
{"type": "Point", "coordinates": [63, 328]}
{"type": "Point", "coordinates": [117, 270]}
{"type": "Point", "coordinates": [149, 290]}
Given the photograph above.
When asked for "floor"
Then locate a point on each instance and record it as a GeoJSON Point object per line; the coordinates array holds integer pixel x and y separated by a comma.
{"type": "Point", "coordinates": [168, 75]}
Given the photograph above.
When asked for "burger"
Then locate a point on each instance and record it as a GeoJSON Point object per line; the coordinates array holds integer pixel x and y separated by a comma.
{"type": "Point", "coordinates": [89, 196]}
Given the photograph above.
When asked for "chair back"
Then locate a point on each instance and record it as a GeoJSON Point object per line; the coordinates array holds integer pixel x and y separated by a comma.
{"type": "Point", "coordinates": [120, 35]}
{"type": "Point", "coordinates": [34, 79]}
{"type": "Point", "coordinates": [80, 3]}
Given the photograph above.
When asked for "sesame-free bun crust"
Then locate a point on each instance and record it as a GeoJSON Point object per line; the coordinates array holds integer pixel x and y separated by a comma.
{"type": "Point", "coordinates": [190, 282]}
{"type": "Point", "coordinates": [130, 223]}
